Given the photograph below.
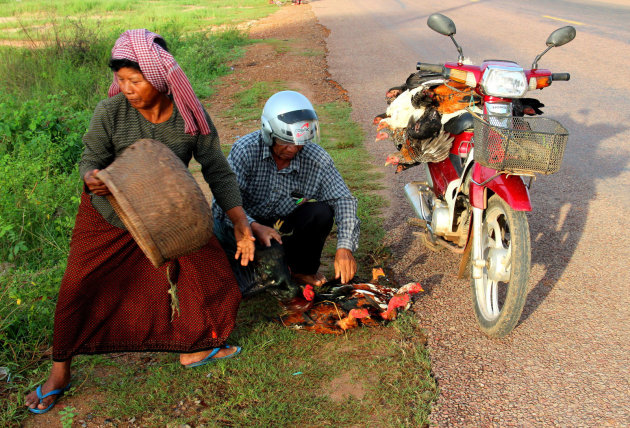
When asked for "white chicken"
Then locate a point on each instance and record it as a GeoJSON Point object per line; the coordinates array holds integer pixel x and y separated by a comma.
{"type": "Point", "coordinates": [400, 110]}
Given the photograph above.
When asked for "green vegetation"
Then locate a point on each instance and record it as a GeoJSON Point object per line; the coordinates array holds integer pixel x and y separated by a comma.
{"type": "Point", "coordinates": [283, 378]}
{"type": "Point", "coordinates": [48, 89]}
{"type": "Point", "coordinates": [343, 139]}
{"type": "Point", "coordinates": [40, 19]}
{"type": "Point", "coordinates": [248, 104]}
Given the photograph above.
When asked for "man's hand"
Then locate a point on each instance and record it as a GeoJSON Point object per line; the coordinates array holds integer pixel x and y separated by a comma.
{"type": "Point", "coordinates": [243, 235]}
{"type": "Point", "coordinates": [345, 265]}
{"type": "Point", "coordinates": [265, 234]}
{"type": "Point", "coordinates": [95, 185]}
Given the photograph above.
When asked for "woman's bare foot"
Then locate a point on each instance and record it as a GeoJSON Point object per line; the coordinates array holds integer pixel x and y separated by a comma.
{"type": "Point", "coordinates": [58, 379]}
{"type": "Point", "coordinates": [186, 359]}
{"type": "Point", "coordinates": [315, 279]}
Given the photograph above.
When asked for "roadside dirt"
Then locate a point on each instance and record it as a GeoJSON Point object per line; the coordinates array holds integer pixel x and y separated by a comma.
{"type": "Point", "coordinates": [293, 30]}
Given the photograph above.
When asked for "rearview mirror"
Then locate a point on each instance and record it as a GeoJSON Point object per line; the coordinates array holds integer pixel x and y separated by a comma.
{"type": "Point", "coordinates": [442, 24]}
{"type": "Point", "coordinates": [561, 36]}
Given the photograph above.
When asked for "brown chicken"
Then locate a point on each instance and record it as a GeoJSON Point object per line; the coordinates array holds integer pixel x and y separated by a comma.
{"type": "Point", "coordinates": [413, 152]}
{"type": "Point", "coordinates": [453, 96]}
{"type": "Point", "coordinates": [333, 308]}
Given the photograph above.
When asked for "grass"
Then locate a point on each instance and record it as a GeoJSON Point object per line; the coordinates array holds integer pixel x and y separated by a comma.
{"type": "Point", "coordinates": [285, 377]}
{"type": "Point", "coordinates": [343, 139]}
{"type": "Point", "coordinates": [39, 18]}
{"type": "Point", "coordinates": [248, 104]}
{"type": "Point", "coordinates": [280, 46]}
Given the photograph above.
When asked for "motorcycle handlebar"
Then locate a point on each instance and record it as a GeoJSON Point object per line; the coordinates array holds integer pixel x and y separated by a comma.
{"type": "Point", "coordinates": [560, 76]}
{"type": "Point", "coordinates": [446, 72]}
{"type": "Point", "coordinates": [435, 68]}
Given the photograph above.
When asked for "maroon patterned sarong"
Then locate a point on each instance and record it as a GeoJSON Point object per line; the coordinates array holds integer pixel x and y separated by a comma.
{"type": "Point", "coordinates": [112, 299]}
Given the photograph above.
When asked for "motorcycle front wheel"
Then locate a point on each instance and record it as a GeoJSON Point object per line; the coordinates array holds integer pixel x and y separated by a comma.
{"type": "Point", "coordinates": [499, 294]}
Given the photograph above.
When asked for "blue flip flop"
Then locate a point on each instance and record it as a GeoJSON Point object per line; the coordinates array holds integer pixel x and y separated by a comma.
{"type": "Point", "coordinates": [58, 392]}
{"type": "Point", "coordinates": [211, 356]}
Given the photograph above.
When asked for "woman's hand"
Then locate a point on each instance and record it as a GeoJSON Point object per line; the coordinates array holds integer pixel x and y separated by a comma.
{"type": "Point", "coordinates": [243, 234]}
{"type": "Point", "coordinates": [345, 265]}
{"type": "Point", "coordinates": [95, 185]}
{"type": "Point", "coordinates": [244, 243]}
{"type": "Point", "coordinates": [265, 234]}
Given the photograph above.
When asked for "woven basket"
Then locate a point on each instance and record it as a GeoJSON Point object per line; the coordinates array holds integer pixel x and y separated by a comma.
{"type": "Point", "coordinates": [158, 200]}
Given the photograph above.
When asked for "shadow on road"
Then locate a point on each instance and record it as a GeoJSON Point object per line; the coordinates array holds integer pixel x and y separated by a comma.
{"type": "Point", "coordinates": [556, 229]}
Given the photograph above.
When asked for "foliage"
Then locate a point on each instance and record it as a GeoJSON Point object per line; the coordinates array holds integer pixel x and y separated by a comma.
{"type": "Point", "coordinates": [74, 62]}
{"type": "Point", "coordinates": [40, 147]}
{"type": "Point", "coordinates": [37, 16]}
{"type": "Point", "coordinates": [67, 416]}
{"type": "Point", "coordinates": [249, 103]}
{"type": "Point", "coordinates": [204, 57]}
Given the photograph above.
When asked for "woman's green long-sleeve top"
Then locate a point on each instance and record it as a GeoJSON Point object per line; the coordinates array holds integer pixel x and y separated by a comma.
{"type": "Point", "coordinates": [116, 125]}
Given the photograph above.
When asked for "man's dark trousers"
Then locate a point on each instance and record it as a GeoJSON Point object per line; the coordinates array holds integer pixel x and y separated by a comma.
{"type": "Point", "coordinates": [304, 233]}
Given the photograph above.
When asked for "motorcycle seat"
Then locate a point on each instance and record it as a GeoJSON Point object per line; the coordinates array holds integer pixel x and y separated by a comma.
{"type": "Point", "coordinates": [459, 124]}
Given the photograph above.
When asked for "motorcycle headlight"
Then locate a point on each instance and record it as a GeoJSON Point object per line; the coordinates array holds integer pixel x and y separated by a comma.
{"type": "Point", "coordinates": [504, 82]}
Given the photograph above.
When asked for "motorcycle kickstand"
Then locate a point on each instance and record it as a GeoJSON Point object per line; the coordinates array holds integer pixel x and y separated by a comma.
{"type": "Point", "coordinates": [431, 243]}
{"type": "Point", "coordinates": [427, 236]}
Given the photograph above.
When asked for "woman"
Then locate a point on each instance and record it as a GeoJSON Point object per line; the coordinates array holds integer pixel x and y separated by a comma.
{"type": "Point", "coordinates": [111, 298]}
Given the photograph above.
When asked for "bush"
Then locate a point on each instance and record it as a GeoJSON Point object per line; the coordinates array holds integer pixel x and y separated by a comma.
{"type": "Point", "coordinates": [72, 61]}
{"type": "Point", "coordinates": [39, 184]}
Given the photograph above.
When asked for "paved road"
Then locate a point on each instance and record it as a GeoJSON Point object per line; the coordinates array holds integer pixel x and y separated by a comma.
{"type": "Point", "coordinates": [567, 362]}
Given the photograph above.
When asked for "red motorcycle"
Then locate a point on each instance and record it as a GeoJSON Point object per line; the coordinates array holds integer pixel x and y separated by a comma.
{"type": "Point", "coordinates": [477, 163]}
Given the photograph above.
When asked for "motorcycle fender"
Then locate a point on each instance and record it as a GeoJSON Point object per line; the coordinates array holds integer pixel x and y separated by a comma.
{"type": "Point", "coordinates": [510, 188]}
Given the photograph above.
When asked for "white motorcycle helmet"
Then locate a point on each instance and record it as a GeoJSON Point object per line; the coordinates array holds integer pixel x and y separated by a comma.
{"type": "Point", "coordinates": [289, 116]}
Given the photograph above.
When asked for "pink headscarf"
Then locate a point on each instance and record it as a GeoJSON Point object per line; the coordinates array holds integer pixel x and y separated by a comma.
{"type": "Point", "coordinates": [162, 71]}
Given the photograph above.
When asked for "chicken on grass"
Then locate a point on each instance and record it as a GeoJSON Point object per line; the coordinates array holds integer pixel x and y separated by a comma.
{"type": "Point", "coordinates": [334, 308]}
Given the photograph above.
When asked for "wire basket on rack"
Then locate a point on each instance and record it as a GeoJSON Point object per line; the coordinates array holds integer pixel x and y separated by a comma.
{"type": "Point", "coordinates": [519, 144]}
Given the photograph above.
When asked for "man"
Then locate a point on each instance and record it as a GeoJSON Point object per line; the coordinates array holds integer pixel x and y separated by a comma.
{"type": "Point", "coordinates": [287, 179]}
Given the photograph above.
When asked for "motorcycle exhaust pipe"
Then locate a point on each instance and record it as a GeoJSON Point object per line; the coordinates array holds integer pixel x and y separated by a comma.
{"type": "Point", "coordinates": [413, 193]}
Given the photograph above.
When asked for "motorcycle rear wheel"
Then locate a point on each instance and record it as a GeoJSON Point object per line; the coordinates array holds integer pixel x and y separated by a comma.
{"type": "Point", "coordinates": [499, 295]}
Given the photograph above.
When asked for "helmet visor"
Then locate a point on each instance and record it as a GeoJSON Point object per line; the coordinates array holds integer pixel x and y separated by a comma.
{"type": "Point", "coordinates": [300, 133]}
{"type": "Point", "coordinates": [297, 116]}
{"type": "Point", "coordinates": [297, 127]}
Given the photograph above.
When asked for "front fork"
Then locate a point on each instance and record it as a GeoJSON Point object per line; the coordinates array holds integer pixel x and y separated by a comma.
{"type": "Point", "coordinates": [512, 190]}
{"type": "Point", "coordinates": [477, 261]}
